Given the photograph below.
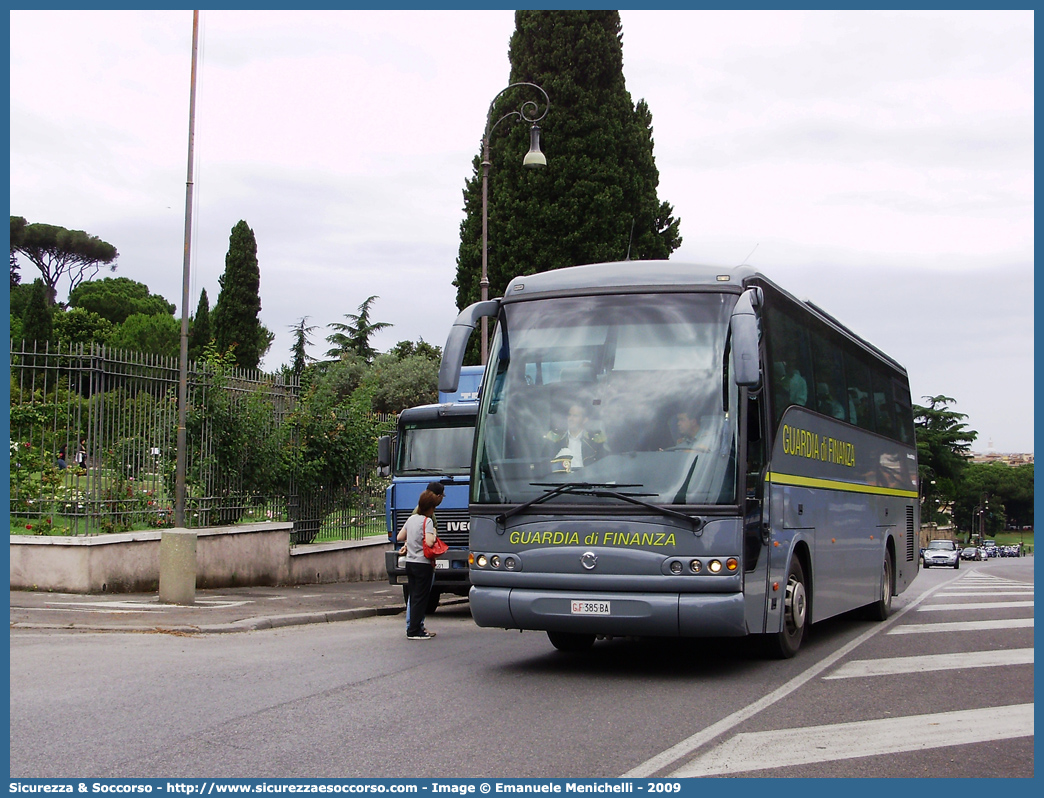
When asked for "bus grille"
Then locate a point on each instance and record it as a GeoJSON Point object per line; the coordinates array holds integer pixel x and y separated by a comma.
{"type": "Point", "coordinates": [453, 525]}
{"type": "Point", "coordinates": [911, 544]}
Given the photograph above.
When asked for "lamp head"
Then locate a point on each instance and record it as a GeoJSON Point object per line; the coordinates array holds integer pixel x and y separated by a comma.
{"type": "Point", "coordinates": [534, 158]}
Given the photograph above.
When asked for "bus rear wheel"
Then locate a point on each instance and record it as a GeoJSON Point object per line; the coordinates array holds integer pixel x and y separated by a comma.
{"type": "Point", "coordinates": [882, 608]}
{"type": "Point", "coordinates": [570, 641]}
{"type": "Point", "coordinates": [785, 643]}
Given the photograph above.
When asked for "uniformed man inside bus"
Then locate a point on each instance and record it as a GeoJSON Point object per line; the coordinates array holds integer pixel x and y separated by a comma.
{"type": "Point", "coordinates": [577, 446]}
{"type": "Point", "coordinates": [690, 436]}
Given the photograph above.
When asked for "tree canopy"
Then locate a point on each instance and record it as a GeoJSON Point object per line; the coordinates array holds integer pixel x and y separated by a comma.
{"type": "Point", "coordinates": [355, 335]}
{"type": "Point", "coordinates": [119, 298]}
{"type": "Point", "coordinates": [199, 330]}
{"type": "Point", "coordinates": [235, 319]}
{"type": "Point", "coordinates": [596, 200]}
{"type": "Point", "coordinates": [60, 253]}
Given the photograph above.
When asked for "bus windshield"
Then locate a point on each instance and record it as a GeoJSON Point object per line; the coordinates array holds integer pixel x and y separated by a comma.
{"type": "Point", "coordinates": [628, 392]}
{"type": "Point", "coordinates": [437, 448]}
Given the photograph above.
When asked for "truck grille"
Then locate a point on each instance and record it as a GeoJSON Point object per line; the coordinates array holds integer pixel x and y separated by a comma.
{"type": "Point", "coordinates": [453, 525]}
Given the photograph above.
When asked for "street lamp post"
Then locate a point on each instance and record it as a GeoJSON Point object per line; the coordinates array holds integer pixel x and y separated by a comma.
{"type": "Point", "coordinates": [534, 159]}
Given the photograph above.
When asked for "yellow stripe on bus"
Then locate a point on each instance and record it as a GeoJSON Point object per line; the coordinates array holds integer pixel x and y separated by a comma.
{"type": "Point", "coordinates": [834, 484]}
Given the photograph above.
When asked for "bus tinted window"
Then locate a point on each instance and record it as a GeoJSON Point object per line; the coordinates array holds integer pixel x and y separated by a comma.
{"type": "Point", "coordinates": [828, 367]}
{"type": "Point", "coordinates": [857, 375]}
{"type": "Point", "coordinates": [791, 363]}
{"type": "Point", "coordinates": [884, 402]}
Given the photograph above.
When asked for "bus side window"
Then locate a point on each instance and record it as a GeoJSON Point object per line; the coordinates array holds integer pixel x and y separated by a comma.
{"type": "Point", "coordinates": [884, 402]}
{"type": "Point", "coordinates": [791, 364]}
{"type": "Point", "coordinates": [830, 378]}
{"type": "Point", "coordinates": [858, 376]}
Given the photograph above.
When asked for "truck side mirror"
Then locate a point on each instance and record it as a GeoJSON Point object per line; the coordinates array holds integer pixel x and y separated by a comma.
{"type": "Point", "coordinates": [457, 341]}
{"type": "Point", "coordinates": [384, 455]}
{"type": "Point", "coordinates": [744, 325]}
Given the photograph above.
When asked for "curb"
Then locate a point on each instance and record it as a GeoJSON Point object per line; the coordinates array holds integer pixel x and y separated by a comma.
{"type": "Point", "coordinates": [244, 625]}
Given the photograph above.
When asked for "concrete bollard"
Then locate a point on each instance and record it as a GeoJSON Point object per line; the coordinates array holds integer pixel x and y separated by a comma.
{"type": "Point", "coordinates": [177, 577]}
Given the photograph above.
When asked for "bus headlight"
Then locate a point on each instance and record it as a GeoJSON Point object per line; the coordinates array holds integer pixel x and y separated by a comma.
{"type": "Point", "coordinates": [715, 566]}
{"type": "Point", "coordinates": [731, 564]}
{"type": "Point", "coordinates": [695, 566]}
{"type": "Point", "coordinates": [481, 561]}
{"type": "Point", "coordinates": [509, 563]}
{"type": "Point", "coordinates": [494, 561]}
{"type": "Point", "coordinates": [676, 567]}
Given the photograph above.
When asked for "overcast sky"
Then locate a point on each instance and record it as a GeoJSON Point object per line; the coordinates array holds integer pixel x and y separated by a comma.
{"type": "Point", "coordinates": [877, 163]}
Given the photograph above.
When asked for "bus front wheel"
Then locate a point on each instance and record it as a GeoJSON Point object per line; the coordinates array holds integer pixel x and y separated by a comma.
{"type": "Point", "coordinates": [570, 641]}
{"type": "Point", "coordinates": [785, 643]}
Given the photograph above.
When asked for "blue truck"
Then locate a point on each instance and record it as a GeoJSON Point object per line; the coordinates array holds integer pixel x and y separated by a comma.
{"type": "Point", "coordinates": [433, 443]}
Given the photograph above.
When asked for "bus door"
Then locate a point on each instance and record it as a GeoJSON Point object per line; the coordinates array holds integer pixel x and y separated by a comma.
{"type": "Point", "coordinates": [755, 516]}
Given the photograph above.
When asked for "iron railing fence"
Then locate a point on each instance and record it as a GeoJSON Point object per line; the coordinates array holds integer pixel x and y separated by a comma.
{"type": "Point", "coordinates": [113, 415]}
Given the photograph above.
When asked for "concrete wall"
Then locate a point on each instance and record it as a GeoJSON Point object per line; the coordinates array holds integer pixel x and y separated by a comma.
{"type": "Point", "coordinates": [239, 556]}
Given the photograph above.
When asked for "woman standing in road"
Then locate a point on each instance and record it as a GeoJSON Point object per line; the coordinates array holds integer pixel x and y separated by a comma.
{"type": "Point", "coordinates": [419, 569]}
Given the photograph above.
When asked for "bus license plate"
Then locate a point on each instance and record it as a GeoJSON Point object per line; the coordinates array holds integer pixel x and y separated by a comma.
{"type": "Point", "coordinates": [441, 565]}
{"type": "Point", "coordinates": [589, 607]}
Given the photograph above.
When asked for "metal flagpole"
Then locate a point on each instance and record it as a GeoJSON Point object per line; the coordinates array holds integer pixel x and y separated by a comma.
{"type": "Point", "coordinates": [182, 454]}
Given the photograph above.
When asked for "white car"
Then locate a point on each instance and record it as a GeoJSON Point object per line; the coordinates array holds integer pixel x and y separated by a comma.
{"type": "Point", "coordinates": [942, 552]}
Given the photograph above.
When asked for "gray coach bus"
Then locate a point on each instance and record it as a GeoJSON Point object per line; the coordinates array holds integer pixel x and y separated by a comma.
{"type": "Point", "coordinates": [664, 449]}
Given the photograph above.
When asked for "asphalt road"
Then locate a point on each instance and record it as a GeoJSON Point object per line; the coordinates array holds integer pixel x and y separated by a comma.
{"type": "Point", "coordinates": [944, 688]}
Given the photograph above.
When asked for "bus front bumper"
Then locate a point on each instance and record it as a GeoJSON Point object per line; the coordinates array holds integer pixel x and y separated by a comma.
{"type": "Point", "coordinates": [610, 614]}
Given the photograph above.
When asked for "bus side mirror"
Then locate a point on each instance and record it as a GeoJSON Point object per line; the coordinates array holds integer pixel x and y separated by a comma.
{"type": "Point", "coordinates": [384, 455]}
{"type": "Point", "coordinates": [457, 341]}
{"type": "Point", "coordinates": [744, 325]}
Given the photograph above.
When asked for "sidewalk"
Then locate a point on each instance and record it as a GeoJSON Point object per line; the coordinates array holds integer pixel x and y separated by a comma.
{"type": "Point", "coordinates": [215, 611]}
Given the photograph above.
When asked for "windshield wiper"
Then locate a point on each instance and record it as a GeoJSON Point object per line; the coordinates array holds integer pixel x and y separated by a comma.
{"type": "Point", "coordinates": [601, 490]}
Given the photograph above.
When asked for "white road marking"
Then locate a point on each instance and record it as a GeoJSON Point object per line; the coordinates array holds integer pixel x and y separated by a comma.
{"type": "Point", "coordinates": [933, 662]}
{"type": "Point", "coordinates": [977, 605]}
{"type": "Point", "coordinates": [704, 736]}
{"type": "Point", "coordinates": [788, 747]}
{"type": "Point", "coordinates": [965, 593]}
{"type": "Point", "coordinates": [961, 626]}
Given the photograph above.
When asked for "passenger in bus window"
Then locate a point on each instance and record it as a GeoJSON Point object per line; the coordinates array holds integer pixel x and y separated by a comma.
{"type": "Point", "coordinates": [577, 446]}
{"type": "Point", "coordinates": [797, 387]}
{"type": "Point", "coordinates": [827, 403]}
{"type": "Point", "coordinates": [858, 408]}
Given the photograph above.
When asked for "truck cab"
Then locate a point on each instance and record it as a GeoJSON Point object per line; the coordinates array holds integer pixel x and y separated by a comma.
{"type": "Point", "coordinates": [433, 443]}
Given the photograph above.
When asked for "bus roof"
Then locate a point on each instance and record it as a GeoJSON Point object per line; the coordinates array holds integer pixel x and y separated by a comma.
{"type": "Point", "coordinates": [630, 275]}
{"type": "Point", "coordinates": [639, 276]}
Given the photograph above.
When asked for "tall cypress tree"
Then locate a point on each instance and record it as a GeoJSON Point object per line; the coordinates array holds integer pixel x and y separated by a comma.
{"type": "Point", "coordinates": [235, 322]}
{"type": "Point", "coordinates": [596, 200]}
{"type": "Point", "coordinates": [199, 333]}
{"type": "Point", "coordinates": [37, 321]}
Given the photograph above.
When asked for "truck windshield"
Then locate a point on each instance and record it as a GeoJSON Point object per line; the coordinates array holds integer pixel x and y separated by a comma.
{"type": "Point", "coordinates": [630, 390]}
{"type": "Point", "coordinates": [436, 448]}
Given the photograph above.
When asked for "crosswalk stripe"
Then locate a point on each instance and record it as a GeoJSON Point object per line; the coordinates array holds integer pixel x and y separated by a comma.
{"type": "Point", "coordinates": [961, 626]}
{"type": "Point", "coordinates": [933, 662]}
{"type": "Point", "coordinates": [801, 746]}
{"type": "Point", "coordinates": [977, 605]}
{"type": "Point", "coordinates": [964, 593]}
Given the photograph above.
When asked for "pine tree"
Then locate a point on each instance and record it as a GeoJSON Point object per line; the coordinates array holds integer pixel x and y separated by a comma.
{"type": "Point", "coordinates": [200, 334]}
{"type": "Point", "coordinates": [299, 349]}
{"type": "Point", "coordinates": [235, 322]}
{"type": "Point", "coordinates": [596, 200]}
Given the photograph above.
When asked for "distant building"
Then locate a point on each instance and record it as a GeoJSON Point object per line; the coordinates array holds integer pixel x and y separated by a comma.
{"type": "Point", "coordinates": [1008, 458]}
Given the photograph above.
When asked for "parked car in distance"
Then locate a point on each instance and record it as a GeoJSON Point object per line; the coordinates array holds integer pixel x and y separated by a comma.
{"type": "Point", "coordinates": [971, 553]}
{"type": "Point", "coordinates": [943, 553]}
